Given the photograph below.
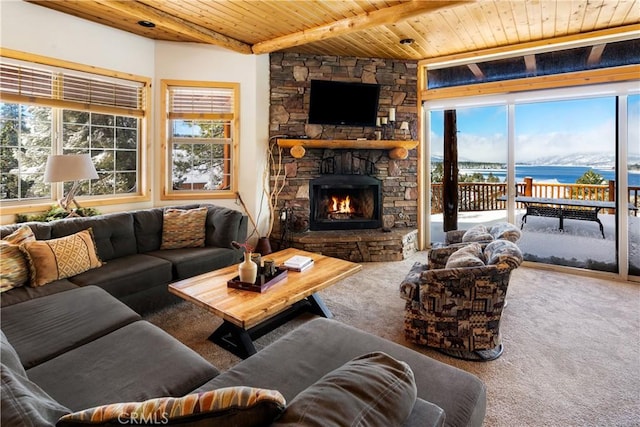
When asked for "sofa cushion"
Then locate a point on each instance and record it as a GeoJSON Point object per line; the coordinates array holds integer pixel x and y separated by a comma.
{"type": "Point", "coordinates": [14, 270]}
{"type": "Point", "coordinates": [24, 403]}
{"type": "Point", "coordinates": [127, 275]}
{"type": "Point", "coordinates": [51, 260]}
{"type": "Point", "coordinates": [190, 262]}
{"type": "Point", "coordinates": [26, 293]}
{"type": "Point", "coordinates": [227, 407]}
{"type": "Point", "coordinates": [139, 361]}
{"type": "Point", "coordinates": [467, 256]}
{"type": "Point", "coordinates": [328, 344]}
{"type": "Point", "coordinates": [113, 233]}
{"type": "Point", "coordinates": [373, 390]}
{"type": "Point", "coordinates": [183, 228]}
{"type": "Point", "coordinates": [477, 233]}
{"type": "Point", "coordinates": [44, 328]}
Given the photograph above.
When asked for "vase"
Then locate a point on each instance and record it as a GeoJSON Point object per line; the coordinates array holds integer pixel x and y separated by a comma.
{"type": "Point", "coordinates": [247, 269]}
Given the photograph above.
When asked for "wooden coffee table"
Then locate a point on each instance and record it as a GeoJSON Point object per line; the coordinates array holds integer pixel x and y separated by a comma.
{"type": "Point", "coordinates": [248, 315]}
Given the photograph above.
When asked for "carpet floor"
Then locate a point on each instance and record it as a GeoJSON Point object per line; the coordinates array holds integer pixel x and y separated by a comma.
{"type": "Point", "coordinates": [572, 343]}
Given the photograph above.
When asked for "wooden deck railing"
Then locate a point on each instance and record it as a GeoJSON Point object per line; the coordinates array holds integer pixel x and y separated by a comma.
{"type": "Point", "coordinates": [482, 196]}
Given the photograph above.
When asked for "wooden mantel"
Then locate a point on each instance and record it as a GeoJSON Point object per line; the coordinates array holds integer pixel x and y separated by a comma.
{"type": "Point", "coordinates": [397, 149]}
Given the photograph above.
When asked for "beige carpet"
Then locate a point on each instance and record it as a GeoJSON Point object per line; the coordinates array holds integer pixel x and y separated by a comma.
{"type": "Point", "coordinates": [572, 344]}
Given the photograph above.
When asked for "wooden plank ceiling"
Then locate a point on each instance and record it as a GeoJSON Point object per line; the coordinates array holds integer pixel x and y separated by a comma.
{"type": "Point", "coordinates": [362, 28]}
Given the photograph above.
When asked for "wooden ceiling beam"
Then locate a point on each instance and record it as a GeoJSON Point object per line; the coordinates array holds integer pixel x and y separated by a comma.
{"type": "Point", "coordinates": [140, 11]}
{"type": "Point", "coordinates": [389, 15]}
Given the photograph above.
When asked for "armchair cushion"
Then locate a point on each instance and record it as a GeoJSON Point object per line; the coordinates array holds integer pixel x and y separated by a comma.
{"type": "Point", "coordinates": [467, 256]}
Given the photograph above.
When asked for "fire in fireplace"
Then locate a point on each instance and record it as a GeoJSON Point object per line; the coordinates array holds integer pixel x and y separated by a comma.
{"type": "Point", "coordinates": [344, 202]}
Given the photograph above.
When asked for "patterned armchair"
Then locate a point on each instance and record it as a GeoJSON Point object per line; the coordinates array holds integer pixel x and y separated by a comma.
{"type": "Point", "coordinates": [457, 309]}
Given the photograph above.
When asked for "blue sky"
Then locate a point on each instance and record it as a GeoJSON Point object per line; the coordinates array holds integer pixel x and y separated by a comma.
{"type": "Point", "coordinates": [542, 129]}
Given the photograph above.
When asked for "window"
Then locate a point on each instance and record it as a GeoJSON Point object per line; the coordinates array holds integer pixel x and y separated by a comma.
{"type": "Point", "coordinates": [54, 107]}
{"type": "Point", "coordinates": [201, 138]}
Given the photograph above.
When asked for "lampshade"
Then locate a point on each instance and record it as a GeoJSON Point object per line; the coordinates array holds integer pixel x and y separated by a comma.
{"type": "Point", "coordinates": [69, 167]}
{"type": "Point", "coordinates": [404, 126]}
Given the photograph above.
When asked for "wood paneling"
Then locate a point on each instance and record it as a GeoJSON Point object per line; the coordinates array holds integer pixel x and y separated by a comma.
{"type": "Point", "coordinates": [353, 27]}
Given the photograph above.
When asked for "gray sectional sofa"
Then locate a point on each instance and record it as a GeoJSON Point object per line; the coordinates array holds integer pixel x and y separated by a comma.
{"type": "Point", "coordinates": [80, 346]}
{"type": "Point", "coordinates": [136, 270]}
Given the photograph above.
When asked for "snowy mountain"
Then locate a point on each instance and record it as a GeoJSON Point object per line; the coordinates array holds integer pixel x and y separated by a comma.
{"type": "Point", "coordinates": [596, 160]}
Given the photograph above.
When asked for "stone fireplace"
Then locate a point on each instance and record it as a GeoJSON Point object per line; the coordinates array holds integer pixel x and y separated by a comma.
{"type": "Point", "coordinates": [379, 224]}
{"type": "Point", "coordinates": [345, 202]}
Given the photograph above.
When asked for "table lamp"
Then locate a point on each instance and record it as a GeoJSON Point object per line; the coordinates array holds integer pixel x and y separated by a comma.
{"type": "Point", "coordinates": [69, 167]}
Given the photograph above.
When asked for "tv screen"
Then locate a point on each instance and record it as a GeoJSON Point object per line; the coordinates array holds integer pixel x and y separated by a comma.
{"type": "Point", "coordinates": [343, 103]}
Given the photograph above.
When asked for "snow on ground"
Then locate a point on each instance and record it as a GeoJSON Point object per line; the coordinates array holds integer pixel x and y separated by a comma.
{"type": "Point", "coordinates": [580, 244]}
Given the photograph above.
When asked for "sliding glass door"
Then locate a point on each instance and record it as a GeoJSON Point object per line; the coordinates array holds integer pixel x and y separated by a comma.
{"type": "Point", "coordinates": [569, 145]}
{"type": "Point", "coordinates": [566, 150]}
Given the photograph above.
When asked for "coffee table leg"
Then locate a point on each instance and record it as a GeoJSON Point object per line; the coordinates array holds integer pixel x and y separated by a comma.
{"type": "Point", "coordinates": [235, 339]}
{"type": "Point", "coordinates": [318, 306]}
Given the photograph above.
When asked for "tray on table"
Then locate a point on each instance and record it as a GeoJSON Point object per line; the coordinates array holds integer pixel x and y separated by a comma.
{"type": "Point", "coordinates": [263, 282]}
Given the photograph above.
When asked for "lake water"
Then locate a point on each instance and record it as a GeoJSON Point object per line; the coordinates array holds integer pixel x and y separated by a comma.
{"type": "Point", "coordinates": [553, 174]}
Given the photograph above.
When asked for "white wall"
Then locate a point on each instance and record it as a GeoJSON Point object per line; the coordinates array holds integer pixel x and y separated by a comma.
{"type": "Point", "coordinates": [36, 29]}
{"type": "Point", "coordinates": [193, 61]}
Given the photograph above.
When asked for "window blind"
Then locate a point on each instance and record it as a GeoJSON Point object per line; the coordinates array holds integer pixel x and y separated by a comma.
{"type": "Point", "coordinates": [214, 101]}
{"type": "Point", "coordinates": [64, 88]}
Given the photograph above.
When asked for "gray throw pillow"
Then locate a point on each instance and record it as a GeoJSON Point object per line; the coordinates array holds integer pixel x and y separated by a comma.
{"type": "Point", "coordinates": [374, 390]}
{"type": "Point", "coordinates": [24, 403]}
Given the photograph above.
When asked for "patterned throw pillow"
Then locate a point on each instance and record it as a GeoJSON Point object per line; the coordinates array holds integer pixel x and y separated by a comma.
{"type": "Point", "coordinates": [505, 231]}
{"type": "Point", "coordinates": [467, 256]}
{"type": "Point", "coordinates": [14, 271]}
{"type": "Point", "coordinates": [477, 233]}
{"type": "Point", "coordinates": [183, 228]}
{"type": "Point", "coordinates": [503, 251]}
{"type": "Point", "coordinates": [230, 406]}
{"type": "Point", "coordinates": [51, 260]}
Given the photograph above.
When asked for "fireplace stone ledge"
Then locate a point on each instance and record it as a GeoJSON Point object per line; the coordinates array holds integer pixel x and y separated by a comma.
{"type": "Point", "coordinates": [360, 245]}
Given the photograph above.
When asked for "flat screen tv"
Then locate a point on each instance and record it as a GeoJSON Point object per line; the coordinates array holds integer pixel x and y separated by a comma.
{"type": "Point", "coordinates": [343, 103]}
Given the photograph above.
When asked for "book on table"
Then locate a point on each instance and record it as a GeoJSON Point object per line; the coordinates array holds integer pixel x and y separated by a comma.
{"type": "Point", "coordinates": [298, 263]}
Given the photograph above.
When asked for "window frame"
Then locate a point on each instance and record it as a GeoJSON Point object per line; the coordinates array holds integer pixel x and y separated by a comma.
{"type": "Point", "coordinates": [167, 192]}
{"type": "Point", "coordinates": [10, 207]}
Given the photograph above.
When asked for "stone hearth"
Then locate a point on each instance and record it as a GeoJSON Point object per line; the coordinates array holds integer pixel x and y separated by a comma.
{"type": "Point", "coordinates": [360, 245]}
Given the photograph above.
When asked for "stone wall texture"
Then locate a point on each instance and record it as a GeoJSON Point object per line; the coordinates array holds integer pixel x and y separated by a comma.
{"type": "Point", "coordinates": [290, 76]}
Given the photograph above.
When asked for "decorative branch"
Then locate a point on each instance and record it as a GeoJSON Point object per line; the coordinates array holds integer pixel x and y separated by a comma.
{"type": "Point", "coordinates": [253, 223]}
{"type": "Point", "coordinates": [279, 180]}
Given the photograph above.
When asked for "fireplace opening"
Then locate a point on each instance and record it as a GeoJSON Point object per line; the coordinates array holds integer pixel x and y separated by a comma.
{"type": "Point", "coordinates": [345, 202]}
